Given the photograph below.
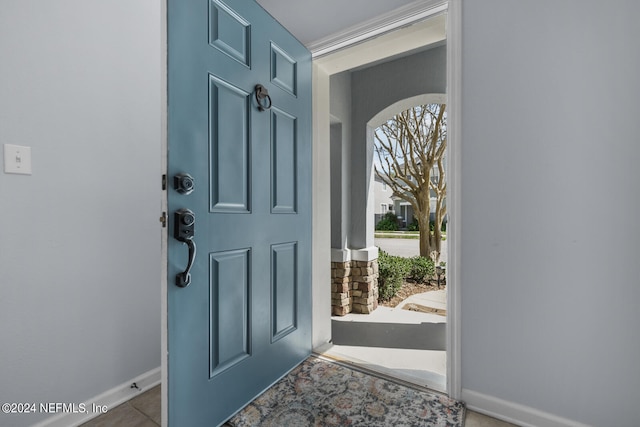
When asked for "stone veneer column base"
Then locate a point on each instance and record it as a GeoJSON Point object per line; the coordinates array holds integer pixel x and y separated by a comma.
{"type": "Point", "coordinates": [341, 303]}
{"type": "Point", "coordinates": [354, 287]}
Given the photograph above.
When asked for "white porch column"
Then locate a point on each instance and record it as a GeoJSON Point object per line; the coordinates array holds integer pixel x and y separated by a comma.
{"type": "Point", "coordinates": [339, 191]}
{"type": "Point", "coordinates": [362, 194]}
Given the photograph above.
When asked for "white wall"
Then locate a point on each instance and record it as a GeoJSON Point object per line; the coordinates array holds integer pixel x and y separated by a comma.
{"type": "Point", "coordinates": [80, 238]}
{"type": "Point", "coordinates": [550, 279]}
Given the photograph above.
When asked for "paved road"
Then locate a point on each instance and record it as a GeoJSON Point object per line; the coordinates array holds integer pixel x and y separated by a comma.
{"type": "Point", "coordinates": [407, 247]}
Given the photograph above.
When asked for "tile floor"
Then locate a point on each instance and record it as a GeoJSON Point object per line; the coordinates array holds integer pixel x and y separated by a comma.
{"type": "Point", "coordinates": [141, 411]}
{"type": "Point", "coordinates": [144, 411]}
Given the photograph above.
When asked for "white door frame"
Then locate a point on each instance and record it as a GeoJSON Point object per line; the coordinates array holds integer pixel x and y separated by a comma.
{"type": "Point", "coordinates": [454, 166]}
{"type": "Point", "coordinates": [164, 348]}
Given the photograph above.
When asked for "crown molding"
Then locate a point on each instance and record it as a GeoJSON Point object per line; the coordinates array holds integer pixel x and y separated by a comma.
{"type": "Point", "coordinates": [382, 24]}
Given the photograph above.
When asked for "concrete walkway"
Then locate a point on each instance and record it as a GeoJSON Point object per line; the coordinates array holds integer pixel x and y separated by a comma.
{"type": "Point", "coordinates": [401, 343]}
{"type": "Point", "coordinates": [434, 299]}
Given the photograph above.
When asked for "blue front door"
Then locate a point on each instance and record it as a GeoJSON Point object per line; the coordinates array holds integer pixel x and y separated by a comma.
{"type": "Point", "coordinates": [239, 198]}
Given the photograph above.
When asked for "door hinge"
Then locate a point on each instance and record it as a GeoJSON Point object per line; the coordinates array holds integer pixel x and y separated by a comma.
{"type": "Point", "coordinates": [164, 182]}
{"type": "Point", "coordinates": [163, 219]}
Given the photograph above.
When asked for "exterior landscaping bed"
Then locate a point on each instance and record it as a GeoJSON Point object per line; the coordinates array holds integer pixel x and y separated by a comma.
{"type": "Point", "coordinates": [409, 288]}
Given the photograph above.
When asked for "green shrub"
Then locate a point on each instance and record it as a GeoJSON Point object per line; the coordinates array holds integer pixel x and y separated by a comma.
{"type": "Point", "coordinates": [388, 223]}
{"type": "Point", "coordinates": [414, 226]}
{"type": "Point", "coordinates": [392, 272]}
{"type": "Point", "coordinates": [422, 269]}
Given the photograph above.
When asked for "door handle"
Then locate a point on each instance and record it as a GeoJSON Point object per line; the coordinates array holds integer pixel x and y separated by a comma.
{"type": "Point", "coordinates": [184, 232]}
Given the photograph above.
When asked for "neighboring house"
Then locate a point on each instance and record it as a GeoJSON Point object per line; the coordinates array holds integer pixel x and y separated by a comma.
{"type": "Point", "coordinates": [402, 208]}
{"type": "Point", "coordinates": [384, 201]}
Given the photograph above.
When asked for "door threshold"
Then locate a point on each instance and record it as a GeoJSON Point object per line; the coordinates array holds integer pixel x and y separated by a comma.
{"type": "Point", "coordinates": [429, 380]}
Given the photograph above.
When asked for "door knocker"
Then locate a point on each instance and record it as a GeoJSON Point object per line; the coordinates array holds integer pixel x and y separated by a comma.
{"type": "Point", "coordinates": [261, 94]}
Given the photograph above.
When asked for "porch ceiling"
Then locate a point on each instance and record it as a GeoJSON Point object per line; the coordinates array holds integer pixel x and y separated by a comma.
{"type": "Point", "coordinates": [320, 23]}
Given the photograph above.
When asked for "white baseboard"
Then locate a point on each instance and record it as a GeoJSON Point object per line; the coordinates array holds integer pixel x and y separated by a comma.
{"type": "Point", "coordinates": [514, 413]}
{"type": "Point", "coordinates": [110, 399]}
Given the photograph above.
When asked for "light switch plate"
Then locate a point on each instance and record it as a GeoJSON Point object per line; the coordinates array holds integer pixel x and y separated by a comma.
{"type": "Point", "coordinates": [17, 159]}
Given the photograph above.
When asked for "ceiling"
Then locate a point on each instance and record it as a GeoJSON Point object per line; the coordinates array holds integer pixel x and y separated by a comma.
{"type": "Point", "coordinates": [321, 23]}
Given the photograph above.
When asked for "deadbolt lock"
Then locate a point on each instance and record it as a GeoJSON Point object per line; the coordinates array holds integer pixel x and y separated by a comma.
{"type": "Point", "coordinates": [183, 183]}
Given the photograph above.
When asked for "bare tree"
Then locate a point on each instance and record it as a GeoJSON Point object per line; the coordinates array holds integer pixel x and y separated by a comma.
{"type": "Point", "coordinates": [410, 151]}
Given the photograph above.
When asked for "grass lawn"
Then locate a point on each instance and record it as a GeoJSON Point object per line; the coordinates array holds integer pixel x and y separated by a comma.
{"type": "Point", "coordinates": [401, 235]}
{"type": "Point", "coordinates": [397, 234]}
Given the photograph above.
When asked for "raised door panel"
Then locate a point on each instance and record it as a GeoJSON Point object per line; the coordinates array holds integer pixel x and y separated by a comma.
{"type": "Point", "coordinates": [284, 176]}
{"type": "Point", "coordinates": [284, 289]}
{"type": "Point", "coordinates": [284, 70]}
{"type": "Point", "coordinates": [229, 147]}
{"type": "Point", "coordinates": [230, 335]}
{"type": "Point", "coordinates": [229, 32]}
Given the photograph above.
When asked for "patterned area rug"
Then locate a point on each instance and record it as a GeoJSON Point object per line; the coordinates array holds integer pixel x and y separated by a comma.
{"type": "Point", "coordinates": [322, 393]}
